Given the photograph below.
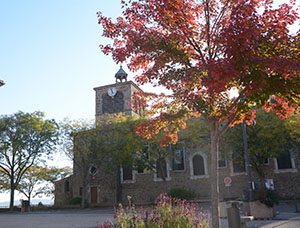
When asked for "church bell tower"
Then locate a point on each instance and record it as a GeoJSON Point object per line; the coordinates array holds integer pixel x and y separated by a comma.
{"type": "Point", "coordinates": [116, 98]}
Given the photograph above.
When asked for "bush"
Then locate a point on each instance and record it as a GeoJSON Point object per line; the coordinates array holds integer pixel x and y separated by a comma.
{"type": "Point", "coordinates": [182, 193]}
{"type": "Point", "coordinates": [40, 204]}
{"type": "Point", "coordinates": [75, 201]}
{"type": "Point", "coordinates": [168, 213]}
{"type": "Point", "coordinates": [266, 196]}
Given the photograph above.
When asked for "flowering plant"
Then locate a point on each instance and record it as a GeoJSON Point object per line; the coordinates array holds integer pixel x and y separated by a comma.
{"type": "Point", "coordinates": [167, 213]}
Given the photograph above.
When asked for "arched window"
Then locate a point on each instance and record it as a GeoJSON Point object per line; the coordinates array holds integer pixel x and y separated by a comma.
{"type": "Point", "coordinates": [198, 165]}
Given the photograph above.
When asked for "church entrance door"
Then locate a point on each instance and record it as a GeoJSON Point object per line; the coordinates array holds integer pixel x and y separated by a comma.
{"type": "Point", "coordinates": [94, 195]}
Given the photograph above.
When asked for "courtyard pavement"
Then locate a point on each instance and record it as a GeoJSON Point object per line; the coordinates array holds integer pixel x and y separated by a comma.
{"type": "Point", "coordinates": [283, 220]}
{"type": "Point", "coordinates": [87, 218]}
{"type": "Point", "coordinates": [91, 218]}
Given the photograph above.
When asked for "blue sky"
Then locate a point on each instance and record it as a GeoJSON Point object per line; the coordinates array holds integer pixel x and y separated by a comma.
{"type": "Point", "coordinates": [50, 59]}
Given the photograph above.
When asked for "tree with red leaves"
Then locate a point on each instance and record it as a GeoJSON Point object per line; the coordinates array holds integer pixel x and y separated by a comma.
{"type": "Point", "coordinates": [203, 51]}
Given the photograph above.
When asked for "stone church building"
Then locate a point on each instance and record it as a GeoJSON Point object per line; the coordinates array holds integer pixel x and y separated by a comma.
{"type": "Point", "coordinates": [189, 170]}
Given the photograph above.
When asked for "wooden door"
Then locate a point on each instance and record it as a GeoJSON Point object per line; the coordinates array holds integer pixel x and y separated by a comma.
{"type": "Point", "coordinates": [94, 195]}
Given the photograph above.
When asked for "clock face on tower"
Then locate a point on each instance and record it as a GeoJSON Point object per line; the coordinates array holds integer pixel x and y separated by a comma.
{"type": "Point", "coordinates": [112, 91]}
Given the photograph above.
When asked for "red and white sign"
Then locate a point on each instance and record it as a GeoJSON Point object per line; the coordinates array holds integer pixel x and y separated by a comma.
{"type": "Point", "coordinates": [227, 181]}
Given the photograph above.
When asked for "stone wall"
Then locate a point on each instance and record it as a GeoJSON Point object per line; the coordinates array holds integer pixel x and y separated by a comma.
{"type": "Point", "coordinates": [62, 194]}
{"type": "Point", "coordinates": [145, 187]}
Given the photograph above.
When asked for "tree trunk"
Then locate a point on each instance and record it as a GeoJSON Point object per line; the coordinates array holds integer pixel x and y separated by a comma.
{"type": "Point", "coordinates": [262, 177]}
{"type": "Point", "coordinates": [84, 188]}
{"type": "Point", "coordinates": [214, 152]}
{"type": "Point", "coordinates": [29, 203]}
{"type": "Point", "coordinates": [12, 194]}
{"type": "Point", "coordinates": [118, 186]}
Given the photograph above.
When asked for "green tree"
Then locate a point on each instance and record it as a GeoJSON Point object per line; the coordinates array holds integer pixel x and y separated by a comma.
{"type": "Point", "coordinates": [40, 180]}
{"type": "Point", "coordinates": [269, 137]}
{"type": "Point", "coordinates": [51, 175]}
{"type": "Point", "coordinates": [26, 139]}
{"type": "Point", "coordinates": [118, 141]}
{"type": "Point", "coordinates": [131, 150]}
{"type": "Point", "coordinates": [76, 137]}
{"type": "Point", "coordinates": [111, 144]}
{"type": "Point", "coordinates": [292, 123]}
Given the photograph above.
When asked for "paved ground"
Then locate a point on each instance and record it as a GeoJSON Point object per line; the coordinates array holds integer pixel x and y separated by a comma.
{"type": "Point", "coordinates": [286, 217]}
{"type": "Point", "coordinates": [283, 220]}
{"type": "Point", "coordinates": [91, 218]}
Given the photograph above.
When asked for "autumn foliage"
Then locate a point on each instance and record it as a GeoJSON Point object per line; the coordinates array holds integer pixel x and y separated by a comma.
{"type": "Point", "coordinates": [202, 51]}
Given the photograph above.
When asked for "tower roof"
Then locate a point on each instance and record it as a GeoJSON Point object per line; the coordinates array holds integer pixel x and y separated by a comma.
{"type": "Point", "coordinates": [120, 75]}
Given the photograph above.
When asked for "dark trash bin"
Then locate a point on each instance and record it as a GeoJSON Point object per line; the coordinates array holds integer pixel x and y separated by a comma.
{"type": "Point", "coordinates": [25, 205]}
{"type": "Point", "coordinates": [233, 215]}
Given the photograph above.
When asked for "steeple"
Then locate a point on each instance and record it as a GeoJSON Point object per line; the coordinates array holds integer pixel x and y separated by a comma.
{"type": "Point", "coordinates": [120, 75]}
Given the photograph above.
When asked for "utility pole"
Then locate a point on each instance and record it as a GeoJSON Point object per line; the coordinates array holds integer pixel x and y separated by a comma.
{"type": "Point", "coordinates": [248, 165]}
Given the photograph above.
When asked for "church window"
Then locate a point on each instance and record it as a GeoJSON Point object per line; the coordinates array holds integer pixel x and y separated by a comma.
{"type": "Point", "coordinates": [284, 161]}
{"type": "Point", "coordinates": [127, 174]}
{"type": "Point", "coordinates": [222, 163]}
{"type": "Point", "coordinates": [198, 165]}
{"type": "Point", "coordinates": [144, 157]}
{"type": "Point", "coordinates": [178, 160]}
{"type": "Point", "coordinates": [93, 170]}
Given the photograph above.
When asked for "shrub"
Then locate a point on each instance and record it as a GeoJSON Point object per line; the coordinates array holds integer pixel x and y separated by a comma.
{"type": "Point", "coordinates": [182, 193]}
{"type": "Point", "coordinates": [168, 213]}
{"type": "Point", "coordinates": [40, 204]}
{"type": "Point", "coordinates": [266, 196]}
{"type": "Point", "coordinates": [75, 201]}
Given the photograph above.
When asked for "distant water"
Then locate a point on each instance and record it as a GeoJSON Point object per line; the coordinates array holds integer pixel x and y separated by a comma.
{"type": "Point", "coordinates": [47, 202]}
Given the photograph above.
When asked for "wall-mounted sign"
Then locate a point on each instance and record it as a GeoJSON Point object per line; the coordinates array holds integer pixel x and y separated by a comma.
{"type": "Point", "coordinates": [227, 181]}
